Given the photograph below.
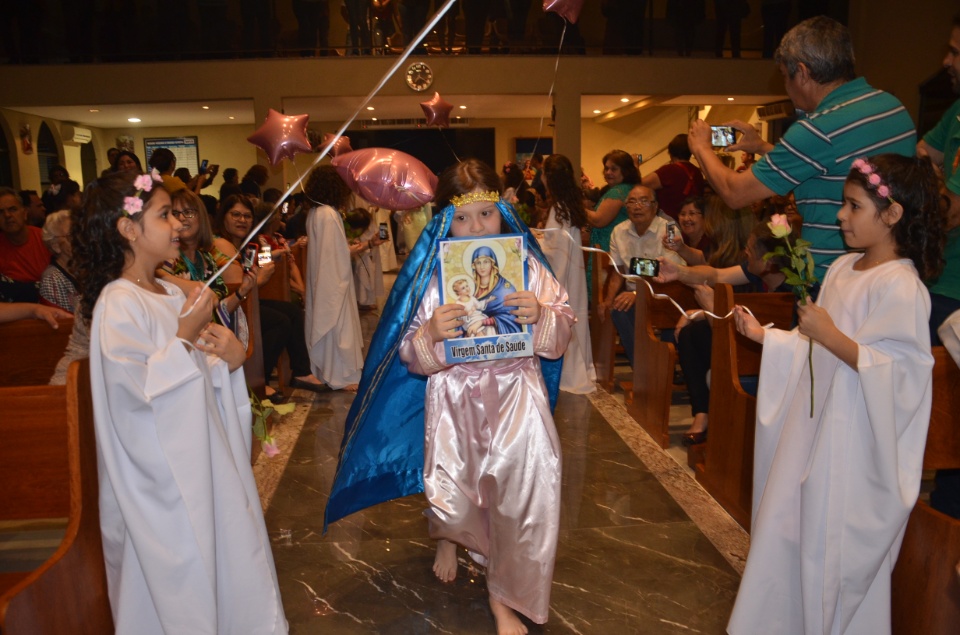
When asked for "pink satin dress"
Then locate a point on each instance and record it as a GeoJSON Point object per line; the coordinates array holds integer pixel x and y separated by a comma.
{"type": "Point", "coordinates": [493, 482]}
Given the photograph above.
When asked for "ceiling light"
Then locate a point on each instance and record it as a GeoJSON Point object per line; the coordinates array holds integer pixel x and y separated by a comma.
{"type": "Point", "coordinates": [205, 107]}
{"type": "Point", "coordinates": [458, 116]}
{"type": "Point", "coordinates": [231, 117]}
{"type": "Point", "coordinates": [729, 98]}
{"type": "Point", "coordinates": [597, 111]}
{"type": "Point", "coordinates": [624, 100]}
{"type": "Point", "coordinates": [370, 108]}
{"type": "Point", "coordinates": [94, 110]}
{"type": "Point", "coordinates": [134, 119]}
{"type": "Point", "coordinates": [463, 107]}
{"type": "Point", "coordinates": [373, 118]}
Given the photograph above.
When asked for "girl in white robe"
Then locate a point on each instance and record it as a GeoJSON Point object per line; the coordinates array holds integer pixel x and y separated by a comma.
{"type": "Point", "coordinates": [561, 244]}
{"type": "Point", "coordinates": [332, 323]}
{"type": "Point", "coordinates": [184, 540]}
{"type": "Point", "coordinates": [832, 492]}
{"type": "Point", "coordinates": [492, 456]}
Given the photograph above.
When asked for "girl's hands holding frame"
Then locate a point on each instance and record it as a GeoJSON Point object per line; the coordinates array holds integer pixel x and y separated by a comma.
{"type": "Point", "coordinates": [528, 306]}
{"type": "Point", "coordinates": [445, 322]}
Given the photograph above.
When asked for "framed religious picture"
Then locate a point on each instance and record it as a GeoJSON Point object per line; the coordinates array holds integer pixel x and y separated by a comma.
{"type": "Point", "coordinates": [478, 273]}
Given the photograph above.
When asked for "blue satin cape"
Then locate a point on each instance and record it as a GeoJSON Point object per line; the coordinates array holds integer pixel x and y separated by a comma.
{"type": "Point", "coordinates": [381, 455]}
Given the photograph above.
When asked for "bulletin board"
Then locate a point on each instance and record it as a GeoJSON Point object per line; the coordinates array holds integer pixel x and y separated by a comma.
{"type": "Point", "coordinates": [185, 149]}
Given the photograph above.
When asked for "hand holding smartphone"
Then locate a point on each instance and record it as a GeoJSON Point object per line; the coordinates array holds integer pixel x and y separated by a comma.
{"type": "Point", "coordinates": [646, 267]}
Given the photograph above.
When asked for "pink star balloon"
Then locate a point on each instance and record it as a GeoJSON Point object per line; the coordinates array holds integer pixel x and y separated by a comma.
{"type": "Point", "coordinates": [567, 9]}
{"type": "Point", "coordinates": [437, 111]}
{"type": "Point", "coordinates": [342, 146]}
{"type": "Point", "coordinates": [282, 136]}
{"type": "Point", "coordinates": [387, 178]}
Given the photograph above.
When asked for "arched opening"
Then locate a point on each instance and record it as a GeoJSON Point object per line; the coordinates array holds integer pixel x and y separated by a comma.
{"type": "Point", "coordinates": [47, 155]}
{"type": "Point", "coordinates": [88, 163]}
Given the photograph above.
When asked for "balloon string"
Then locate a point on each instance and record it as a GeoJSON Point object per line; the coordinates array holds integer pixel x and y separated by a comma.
{"type": "Point", "coordinates": [326, 149]}
{"type": "Point", "coordinates": [634, 278]}
{"type": "Point", "coordinates": [447, 141]}
{"type": "Point", "coordinates": [553, 83]}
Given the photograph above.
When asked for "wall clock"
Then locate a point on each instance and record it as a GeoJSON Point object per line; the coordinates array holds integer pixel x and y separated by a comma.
{"type": "Point", "coordinates": [419, 76]}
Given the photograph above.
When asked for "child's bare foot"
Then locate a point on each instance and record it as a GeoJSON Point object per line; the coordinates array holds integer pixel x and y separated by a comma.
{"type": "Point", "coordinates": [445, 564]}
{"type": "Point", "coordinates": [507, 621]}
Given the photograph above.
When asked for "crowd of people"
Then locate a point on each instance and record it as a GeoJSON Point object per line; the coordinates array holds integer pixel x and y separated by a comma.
{"type": "Point", "coordinates": [128, 256]}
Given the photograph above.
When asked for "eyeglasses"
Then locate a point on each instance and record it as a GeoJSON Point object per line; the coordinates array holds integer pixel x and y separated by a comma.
{"type": "Point", "coordinates": [640, 202]}
{"type": "Point", "coordinates": [240, 216]}
{"type": "Point", "coordinates": [184, 213]}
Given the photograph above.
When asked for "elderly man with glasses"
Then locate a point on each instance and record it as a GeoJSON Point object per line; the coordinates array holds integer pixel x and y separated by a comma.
{"type": "Point", "coordinates": [639, 237]}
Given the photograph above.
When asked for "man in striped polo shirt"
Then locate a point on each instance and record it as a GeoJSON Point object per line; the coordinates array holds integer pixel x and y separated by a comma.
{"type": "Point", "coordinates": [841, 118]}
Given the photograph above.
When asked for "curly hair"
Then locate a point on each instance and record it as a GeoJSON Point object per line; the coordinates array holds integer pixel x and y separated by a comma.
{"type": "Point", "coordinates": [464, 177]}
{"type": "Point", "coordinates": [920, 234]}
{"type": "Point", "coordinates": [564, 189]}
{"type": "Point", "coordinates": [326, 187]}
{"type": "Point", "coordinates": [99, 249]}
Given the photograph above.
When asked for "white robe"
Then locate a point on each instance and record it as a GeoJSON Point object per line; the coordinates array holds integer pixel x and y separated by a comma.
{"type": "Point", "coordinates": [184, 541]}
{"type": "Point", "coordinates": [332, 321]}
{"type": "Point", "coordinates": [832, 493]}
{"type": "Point", "coordinates": [561, 247]}
{"type": "Point", "coordinates": [368, 271]}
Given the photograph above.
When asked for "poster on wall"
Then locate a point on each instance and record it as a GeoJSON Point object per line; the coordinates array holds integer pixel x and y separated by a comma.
{"type": "Point", "coordinates": [125, 143]}
{"type": "Point", "coordinates": [26, 139]}
{"type": "Point", "coordinates": [185, 149]}
{"type": "Point", "coordinates": [526, 147]}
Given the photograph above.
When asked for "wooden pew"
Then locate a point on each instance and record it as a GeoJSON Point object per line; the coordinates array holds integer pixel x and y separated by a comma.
{"type": "Point", "coordinates": [30, 350]}
{"type": "Point", "coordinates": [278, 286]}
{"type": "Point", "coordinates": [926, 580]}
{"type": "Point", "coordinates": [655, 361]}
{"type": "Point", "coordinates": [603, 335]}
{"type": "Point", "coordinates": [51, 471]}
{"type": "Point", "coordinates": [727, 468]}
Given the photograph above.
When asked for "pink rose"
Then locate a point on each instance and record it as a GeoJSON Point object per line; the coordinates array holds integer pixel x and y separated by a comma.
{"type": "Point", "coordinates": [779, 226]}
{"type": "Point", "coordinates": [874, 179]}
{"type": "Point", "coordinates": [132, 204]}
{"type": "Point", "coordinates": [270, 448]}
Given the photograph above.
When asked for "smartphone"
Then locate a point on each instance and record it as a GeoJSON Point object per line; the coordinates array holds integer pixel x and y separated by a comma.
{"type": "Point", "coordinates": [723, 136]}
{"type": "Point", "coordinates": [646, 267]}
{"type": "Point", "coordinates": [673, 232]}
{"type": "Point", "coordinates": [383, 232]}
{"type": "Point", "coordinates": [285, 209]}
{"type": "Point", "coordinates": [639, 159]}
{"type": "Point", "coordinates": [249, 256]}
{"type": "Point", "coordinates": [265, 255]}
{"type": "Point", "coordinates": [203, 166]}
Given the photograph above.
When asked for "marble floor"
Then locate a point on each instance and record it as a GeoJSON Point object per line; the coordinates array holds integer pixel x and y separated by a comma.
{"type": "Point", "coordinates": [643, 549]}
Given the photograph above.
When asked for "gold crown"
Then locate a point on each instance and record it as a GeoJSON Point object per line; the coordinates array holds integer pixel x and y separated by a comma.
{"type": "Point", "coordinates": [488, 196]}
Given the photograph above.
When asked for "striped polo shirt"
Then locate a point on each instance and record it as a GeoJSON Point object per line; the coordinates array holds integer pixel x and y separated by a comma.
{"type": "Point", "coordinates": [813, 158]}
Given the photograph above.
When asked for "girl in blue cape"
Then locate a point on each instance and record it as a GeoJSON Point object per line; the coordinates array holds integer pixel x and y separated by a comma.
{"type": "Point", "coordinates": [478, 438]}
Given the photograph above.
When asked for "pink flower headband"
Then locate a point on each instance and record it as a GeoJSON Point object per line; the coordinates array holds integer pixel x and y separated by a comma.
{"type": "Point", "coordinates": [144, 183]}
{"type": "Point", "coordinates": [869, 171]}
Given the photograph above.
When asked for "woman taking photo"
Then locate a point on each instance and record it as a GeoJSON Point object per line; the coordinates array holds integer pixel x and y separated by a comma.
{"type": "Point", "coordinates": [621, 174]}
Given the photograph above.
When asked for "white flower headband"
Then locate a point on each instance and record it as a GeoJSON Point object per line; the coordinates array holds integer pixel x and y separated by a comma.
{"type": "Point", "coordinates": [144, 183]}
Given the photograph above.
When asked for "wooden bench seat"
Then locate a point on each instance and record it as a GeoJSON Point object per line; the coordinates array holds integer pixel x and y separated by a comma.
{"type": "Point", "coordinates": [30, 350]}
{"type": "Point", "coordinates": [926, 580]}
{"type": "Point", "coordinates": [51, 471]}
{"type": "Point", "coordinates": [654, 360]}
{"type": "Point", "coordinates": [726, 471]}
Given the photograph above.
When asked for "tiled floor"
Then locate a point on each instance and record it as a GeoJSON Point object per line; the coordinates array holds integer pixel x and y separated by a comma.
{"type": "Point", "coordinates": [642, 548]}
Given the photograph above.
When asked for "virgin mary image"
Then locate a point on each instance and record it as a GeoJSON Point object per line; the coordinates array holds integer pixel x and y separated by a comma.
{"type": "Point", "coordinates": [493, 288]}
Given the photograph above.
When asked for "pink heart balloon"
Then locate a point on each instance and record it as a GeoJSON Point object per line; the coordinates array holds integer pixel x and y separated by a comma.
{"type": "Point", "coordinates": [342, 146]}
{"type": "Point", "coordinates": [282, 136]}
{"type": "Point", "coordinates": [387, 178]}
{"type": "Point", "coordinates": [437, 111]}
{"type": "Point", "coordinates": [568, 9]}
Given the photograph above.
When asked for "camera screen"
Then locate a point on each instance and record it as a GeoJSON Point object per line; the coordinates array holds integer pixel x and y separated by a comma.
{"type": "Point", "coordinates": [722, 136]}
{"type": "Point", "coordinates": [264, 256]}
{"type": "Point", "coordinates": [383, 231]}
{"type": "Point", "coordinates": [646, 267]}
{"type": "Point", "coordinates": [249, 256]}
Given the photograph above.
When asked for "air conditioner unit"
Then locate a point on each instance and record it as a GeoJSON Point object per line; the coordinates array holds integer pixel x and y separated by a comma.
{"type": "Point", "coordinates": [779, 110]}
{"type": "Point", "coordinates": [73, 134]}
